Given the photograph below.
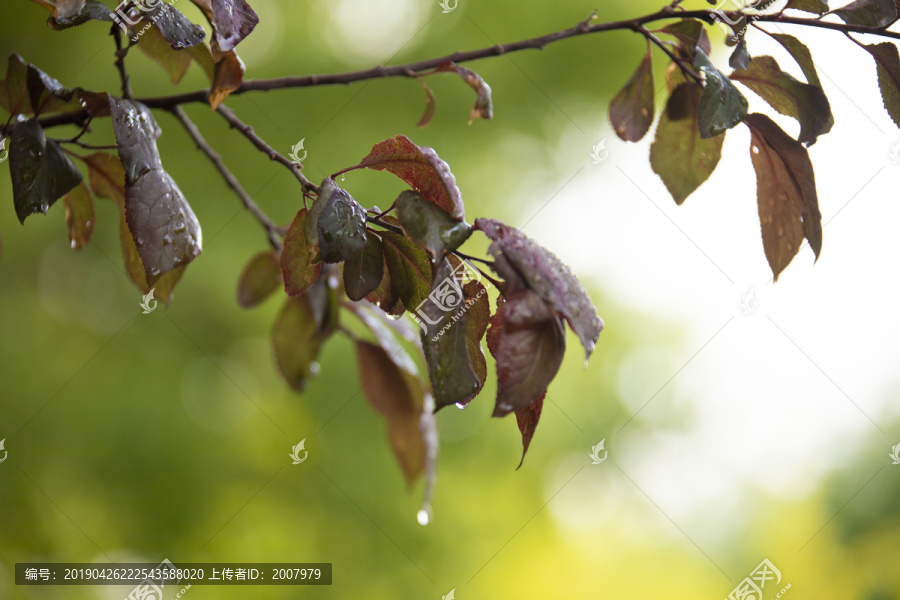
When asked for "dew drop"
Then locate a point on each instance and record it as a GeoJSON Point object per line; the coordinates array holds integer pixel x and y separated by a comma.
{"type": "Point", "coordinates": [461, 406]}
{"type": "Point", "coordinates": [167, 239]}
{"type": "Point", "coordinates": [73, 244]}
{"type": "Point", "coordinates": [424, 516]}
{"type": "Point", "coordinates": [154, 271]}
{"type": "Point", "coordinates": [179, 226]}
{"type": "Point", "coordinates": [314, 368]}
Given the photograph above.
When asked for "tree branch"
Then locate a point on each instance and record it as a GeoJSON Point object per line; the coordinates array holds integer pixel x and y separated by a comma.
{"type": "Point", "coordinates": [233, 183]}
{"type": "Point", "coordinates": [120, 61]}
{"type": "Point", "coordinates": [265, 148]}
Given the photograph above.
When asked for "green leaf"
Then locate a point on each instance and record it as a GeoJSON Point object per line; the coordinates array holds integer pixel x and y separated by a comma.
{"type": "Point", "coordinates": [364, 270]}
{"type": "Point", "coordinates": [817, 7]}
{"type": "Point", "coordinates": [869, 13]}
{"type": "Point", "coordinates": [421, 168]}
{"type": "Point", "coordinates": [802, 101]}
{"type": "Point", "coordinates": [444, 320]}
{"type": "Point", "coordinates": [398, 396]}
{"type": "Point", "coordinates": [27, 90]}
{"type": "Point", "coordinates": [721, 106]}
{"type": "Point", "coordinates": [408, 267]}
{"type": "Point", "coordinates": [786, 192]}
{"type": "Point", "coordinates": [386, 296]}
{"type": "Point", "coordinates": [523, 263]}
{"type": "Point", "coordinates": [79, 215]}
{"type": "Point", "coordinates": [740, 58]}
{"type": "Point", "coordinates": [107, 179]}
{"type": "Point", "coordinates": [259, 279]}
{"type": "Point", "coordinates": [528, 340]}
{"type": "Point", "coordinates": [174, 62]}
{"type": "Point", "coordinates": [341, 227]}
{"type": "Point", "coordinates": [631, 112]}
{"type": "Point", "coordinates": [483, 108]}
{"type": "Point", "coordinates": [297, 267]}
{"type": "Point", "coordinates": [800, 53]}
{"type": "Point", "coordinates": [888, 64]}
{"type": "Point", "coordinates": [690, 34]}
{"type": "Point", "coordinates": [681, 158]}
{"type": "Point", "coordinates": [164, 228]}
{"type": "Point", "coordinates": [88, 11]}
{"type": "Point", "coordinates": [429, 225]}
{"type": "Point", "coordinates": [296, 341]}
{"type": "Point", "coordinates": [40, 172]}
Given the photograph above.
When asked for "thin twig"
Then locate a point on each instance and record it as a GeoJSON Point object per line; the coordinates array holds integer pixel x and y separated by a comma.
{"type": "Point", "coordinates": [685, 68]}
{"type": "Point", "coordinates": [265, 148]}
{"type": "Point", "coordinates": [233, 183]}
{"type": "Point", "coordinates": [120, 62]}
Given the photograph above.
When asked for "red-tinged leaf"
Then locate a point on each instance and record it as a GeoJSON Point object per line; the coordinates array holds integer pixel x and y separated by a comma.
{"type": "Point", "coordinates": [681, 158]}
{"type": "Point", "coordinates": [62, 9]}
{"type": "Point", "coordinates": [79, 215]}
{"type": "Point", "coordinates": [96, 103]}
{"type": "Point", "coordinates": [298, 270]}
{"type": "Point", "coordinates": [483, 108]}
{"type": "Point", "coordinates": [398, 396]}
{"type": "Point", "coordinates": [421, 168]}
{"type": "Point", "coordinates": [231, 20]}
{"type": "Point", "coordinates": [164, 228]}
{"type": "Point", "coordinates": [430, 226]}
{"type": "Point", "coordinates": [155, 46]}
{"type": "Point", "coordinates": [478, 315]}
{"type": "Point", "coordinates": [888, 64]}
{"type": "Point", "coordinates": [107, 179]}
{"type": "Point", "coordinates": [523, 263]}
{"type": "Point", "coordinates": [527, 419]}
{"type": "Point", "coordinates": [28, 90]}
{"type": "Point", "coordinates": [690, 33]}
{"type": "Point", "coordinates": [228, 76]}
{"type": "Point", "coordinates": [786, 192]}
{"type": "Point", "coordinates": [385, 333]}
{"type": "Point", "coordinates": [869, 13]}
{"type": "Point", "coordinates": [259, 279]}
{"type": "Point", "coordinates": [801, 54]}
{"type": "Point", "coordinates": [430, 104]}
{"type": "Point", "coordinates": [528, 340]}
{"type": "Point", "coordinates": [631, 111]}
{"type": "Point", "coordinates": [444, 322]}
{"type": "Point", "coordinates": [40, 172]}
{"type": "Point", "coordinates": [409, 269]}
{"type": "Point", "coordinates": [296, 341]}
{"type": "Point", "coordinates": [364, 270]}
{"type": "Point", "coordinates": [802, 101]}
{"type": "Point", "coordinates": [817, 7]}
{"type": "Point", "coordinates": [386, 296]}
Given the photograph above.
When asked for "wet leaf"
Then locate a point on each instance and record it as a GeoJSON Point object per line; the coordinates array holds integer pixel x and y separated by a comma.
{"type": "Point", "coordinates": [173, 26]}
{"type": "Point", "coordinates": [740, 58]}
{"type": "Point", "coordinates": [429, 225]}
{"type": "Point", "coordinates": [296, 341]}
{"type": "Point", "coordinates": [681, 158]}
{"type": "Point", "coordinates": [341, 227]}
{"type": "Point", "coordinates": [107, 179]}
{"type": "Point", "coordinates": [801, 54]}
{"type": "Point", "coordinates": [483, 108]}
{"type": "Point", "coordinates": [528, 340]}
{"type": "Point", "coordinates": [297, 267]}
{"type": "Point", "coordinates": [408, 268]}
{"type": "Point", "coordinates": [231, 20]}
{"type": "Point", "coordinates": [386, 296]}
{"type": "Point", "coordinates": [164, 228]}
{"type": "Point", "coordinates": [421, 168]}
{"type": "Point", "coordinates": [518, 258]}
{"type": "Point", "coordinates": [40, 172]}
{"type": "Point", "coordinates": [887, 61]}
{"type": "Point", "coordinates": [478, 315]}
{"type": "Point", "coordinates": [527, 419]}
{"type": "Point", "coordinates": [721, 106]}
{"type": "Point", "coordinates": [259, 279]}
{"type": "Point", "coordinates": [430, 104]}
{"type": "Point", "coordinates": [27, 90]}
{"type": "Point", "coordinates": [444, 322]}
{"type": "Point", "coordinates": [398, 396]}
{"type": "Point", "coordinates": [690, 34]}
{"type": "Point", "coordinates": [811, 6]}
{"type": "Point", "coordinates": [631, 111]}
{"type": "Point", "coordinates": [802, 101]}
{"type": "Point", "coordinates": [62, 8]}
{"type": "Point", "coordinates": [78, 12]}
{"type": "Point", "coordinates": [174, 62]}
{"type": "Point", "coordinates": [79, 215]}
{"type": "Point", "coordinates": [228, 76]}
{"type": "Point", "coordinates": [786, 192]}
{"type": "Point", "coordinates": [364, 270]}
{"type": "Point", "coordinates": [869, 13]}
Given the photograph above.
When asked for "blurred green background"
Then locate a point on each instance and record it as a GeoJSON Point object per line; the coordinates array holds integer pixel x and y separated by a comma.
{"type": "Point", "coordinates": [138, 437]}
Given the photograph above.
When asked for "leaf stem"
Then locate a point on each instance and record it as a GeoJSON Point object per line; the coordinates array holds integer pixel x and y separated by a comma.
{"type": "Point", "coordinates": [228, 176]}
